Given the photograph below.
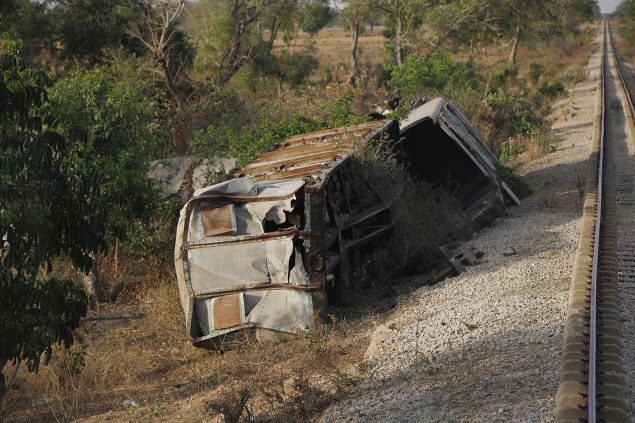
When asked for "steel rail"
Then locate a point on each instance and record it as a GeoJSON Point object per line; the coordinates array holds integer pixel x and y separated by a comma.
{"type": "Point", "coordinates": [592, 404]}
{"type": "Point", "coordinates": [619, 72]}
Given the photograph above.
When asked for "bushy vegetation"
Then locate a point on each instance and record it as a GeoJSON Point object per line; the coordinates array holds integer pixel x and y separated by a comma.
{"type": "Point", "coordinates": [625, 14]}
{"type": "Point", "coordinates": [431, 76]}
{"type": "Point", "coordinates": [63, 196]}
{"type": "Point", "coordinates": [512, 115]}
{"type": "Point", "coordinates": [220, 140]}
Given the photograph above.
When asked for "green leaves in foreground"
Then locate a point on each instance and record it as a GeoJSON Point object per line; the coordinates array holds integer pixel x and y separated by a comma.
{"type": "Point", "coordinates": [71, 177]}
{"type": "Point", "coordinates": [35, 315]}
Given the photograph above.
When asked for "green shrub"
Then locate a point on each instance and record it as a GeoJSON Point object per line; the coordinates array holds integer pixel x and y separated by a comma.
{"type": "Point", "coordinates": [515, 182]}
{"type": "Point", "coordinates": [511, 114]}
{"type": "Point", "coordinates": [221, 141]}
{"type": "Point", "coordinates": [341, 112]}
{"type": "Point", "coordinates": [551, 90]}
{"type": "Point", "coordinates": [536, 71]}
{"type": "Point", "coordinates": [294, 69]}
{"type": "Point", "coordinates": [499, 79]}
{"type": "Point", "coordinates": [418, 77]}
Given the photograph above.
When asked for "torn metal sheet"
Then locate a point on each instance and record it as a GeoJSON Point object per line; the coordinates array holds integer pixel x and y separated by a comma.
{"type": "Point", "coordinates": [442, 147]}
{"type": "Point", "coordinates": [262, 251]}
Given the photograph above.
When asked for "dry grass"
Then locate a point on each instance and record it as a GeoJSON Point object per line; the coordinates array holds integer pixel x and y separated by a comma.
{"type": "Point", "coordinates": [332, 47]}
{"type": "Point", "coordinates": [137, 351]}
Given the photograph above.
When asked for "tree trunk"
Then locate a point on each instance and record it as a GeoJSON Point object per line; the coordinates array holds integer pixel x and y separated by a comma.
{"type": "Point", "coordinates": [354, 65]}
{"type": "Point", "coordinates": [169, 82]}
{"type": "Point", "coordinates": [91, 283]}
{"type": "Point", "coordinates": [399, 42]}
{"type": "Point", "coordinates": [516, 40]}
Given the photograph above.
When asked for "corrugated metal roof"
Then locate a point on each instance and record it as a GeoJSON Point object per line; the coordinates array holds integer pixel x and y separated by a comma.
{"type": "Point", "coordinates": [312, 154]}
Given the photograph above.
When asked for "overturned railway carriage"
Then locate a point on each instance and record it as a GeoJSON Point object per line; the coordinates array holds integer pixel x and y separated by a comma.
{"type": "Point", "coordinates": [265, 250]}
{"type": "Point", "coordinates": [262, 251]}
{"type": "Point", "coordinates": [442, 147]}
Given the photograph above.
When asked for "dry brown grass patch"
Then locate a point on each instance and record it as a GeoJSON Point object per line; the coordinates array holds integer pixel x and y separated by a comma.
{"type": "Point", "coordinates": [139, 352]}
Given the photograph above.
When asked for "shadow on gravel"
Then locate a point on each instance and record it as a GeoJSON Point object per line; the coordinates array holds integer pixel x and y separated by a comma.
{"type": "Point", "coordinates": [462, 384]}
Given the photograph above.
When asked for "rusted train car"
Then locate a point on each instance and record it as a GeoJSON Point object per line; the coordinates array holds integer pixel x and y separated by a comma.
{"type": "Point", "coordinates": [263, 251]}
{"type": "Point", "coordinates": [441, 146]}
{"type": "Point", "coordinates": [260, 252]}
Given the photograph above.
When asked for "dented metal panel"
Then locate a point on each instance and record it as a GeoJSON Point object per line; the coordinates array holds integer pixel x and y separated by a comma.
{"type": "Point", "coordinates": [314, 155]}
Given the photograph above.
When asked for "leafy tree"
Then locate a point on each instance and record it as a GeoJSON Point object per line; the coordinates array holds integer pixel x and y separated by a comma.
{"type": "Point", "coordinates": [276, 16]}
{"type": "Point", "coordinates": [625, 12]}
{"type": "Point", "coordinates": [516, 17]}
{"type": "Point", "coordinates": [315, 15]}
{"type": "Point", "coordinates": [28, 20]}
{"type": "Point", "coordinates": [114, 109]}
{"type": "Point", "coordinates": [430, 76]}
{"type": "Point", "coordinates": [47, 208]}
{"type": "Point", "coordinates": [423, 27]}
{"type": "Point", "coordinates": [568, 13]}
{"type": "Point", "coordinates": [309, 16]}
{"type": "Point", "coordinates": [84, 29]}
{"type": "Point", "coordinates": [62, 193]}
{"type": "Point", "coordinates": [406, 16]}
{"type": "Point", "coordinates": [296, 68]}
{"type": "Point", "coordinates": [541, 18]}
{"type": "Point", "coordinates": [226, 37]}
{"type": "Point", "coordinates": [464, 22]}
{"type": "Point", "coordinates": [70, 31]}
{"type": "Point", "coordinates": [231, 34]}
{"type": "Point", "coordinates": [285, 67]}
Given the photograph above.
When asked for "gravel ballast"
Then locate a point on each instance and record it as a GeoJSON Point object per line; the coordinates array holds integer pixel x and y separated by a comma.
{"type": "Point", "coordinates": [485, 346]}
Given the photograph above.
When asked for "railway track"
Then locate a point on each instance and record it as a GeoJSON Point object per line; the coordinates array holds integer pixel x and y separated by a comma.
{"type": "Point", "coordinates": [597, 374]}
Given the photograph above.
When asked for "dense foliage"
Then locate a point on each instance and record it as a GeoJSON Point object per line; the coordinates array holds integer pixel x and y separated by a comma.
{"type": "Point", "coordinates": [220, 141]}
{"type": "Point", "coordinates": [71, 176]}
{"type": "Point", "coordinates": [625, 12]}
{"type": "Point", "coordinates": [430, 76]}
{"type": "Point", "coordinates": [48, 208]}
